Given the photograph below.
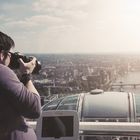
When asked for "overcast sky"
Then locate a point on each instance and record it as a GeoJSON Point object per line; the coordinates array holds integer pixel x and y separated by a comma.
{"type": "Point", "coordinates": [72, 26]}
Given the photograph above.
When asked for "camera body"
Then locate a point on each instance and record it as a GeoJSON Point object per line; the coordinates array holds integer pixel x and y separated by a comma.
{"type": "Point", "coordinates": [14, 64]}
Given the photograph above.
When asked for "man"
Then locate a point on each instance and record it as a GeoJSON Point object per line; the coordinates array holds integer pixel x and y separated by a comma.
{"type": "Point", "coordinates": [17, 99]}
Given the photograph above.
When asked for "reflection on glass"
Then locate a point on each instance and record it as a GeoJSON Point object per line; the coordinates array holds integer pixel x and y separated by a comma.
{"type": "Point", "coordinates": [60, 126]}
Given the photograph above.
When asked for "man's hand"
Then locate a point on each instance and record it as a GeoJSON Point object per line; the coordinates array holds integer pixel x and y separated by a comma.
{"type": "Point", "coordinates": [27, 67]}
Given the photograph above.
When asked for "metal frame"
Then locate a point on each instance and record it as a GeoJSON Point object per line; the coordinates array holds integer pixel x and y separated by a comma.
{"type": "Point", "coordinates": [109, 128]}
{"type": "Point", "coordinates": [106, 128]}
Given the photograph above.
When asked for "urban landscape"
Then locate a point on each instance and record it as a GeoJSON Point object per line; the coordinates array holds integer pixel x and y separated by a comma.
{"type": "Point", "coordinates": [76, 73]}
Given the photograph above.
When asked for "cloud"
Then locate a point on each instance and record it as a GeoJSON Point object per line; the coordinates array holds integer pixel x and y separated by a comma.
{"type": "Point", "coordinates": [12, 6]}
{"type": "Point", "coordinates": [15, 10]}
{"type": "Point", "coordinates": [72, 25]}
{"type": "Point", "coordinates": [44, 5]}
{"type": "Point", "coordinates": [62, 8]}
{"type": "Point", "coordinates": [42, 14]}
{"type": "Point", "coordinates": [37, 21]}
{"type": "Point", "coordinates": [1, 17]}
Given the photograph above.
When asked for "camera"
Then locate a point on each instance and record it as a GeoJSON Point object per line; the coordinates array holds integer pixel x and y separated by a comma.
{"type": "Point", "coordinates": [14, 64]}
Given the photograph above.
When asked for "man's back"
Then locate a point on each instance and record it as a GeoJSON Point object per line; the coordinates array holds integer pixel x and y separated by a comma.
{"type": "Point", "coordinates": [12, 91]}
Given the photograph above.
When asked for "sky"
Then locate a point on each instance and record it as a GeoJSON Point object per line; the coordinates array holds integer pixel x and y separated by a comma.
{"type": "Point", "coordinates": [72, 26]}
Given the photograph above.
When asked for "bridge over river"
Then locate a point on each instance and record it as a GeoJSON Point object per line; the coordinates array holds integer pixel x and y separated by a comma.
{"type": "Point", "coordinates": [129, 82]}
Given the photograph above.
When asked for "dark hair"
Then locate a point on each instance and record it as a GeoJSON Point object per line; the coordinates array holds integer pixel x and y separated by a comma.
{"type": "Point", "coordinates": [6, 42]}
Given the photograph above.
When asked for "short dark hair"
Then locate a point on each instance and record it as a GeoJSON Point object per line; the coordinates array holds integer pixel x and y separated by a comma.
{"type": "Point", "coordinates": [6, 42]}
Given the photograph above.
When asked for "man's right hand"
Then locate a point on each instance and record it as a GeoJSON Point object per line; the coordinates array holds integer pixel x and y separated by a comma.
{"type": "Point", "coordinates": [27, 67]}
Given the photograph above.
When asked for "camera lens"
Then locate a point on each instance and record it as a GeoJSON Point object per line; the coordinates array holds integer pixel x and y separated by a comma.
{"type": "Point", "coordinates": [37, 67]}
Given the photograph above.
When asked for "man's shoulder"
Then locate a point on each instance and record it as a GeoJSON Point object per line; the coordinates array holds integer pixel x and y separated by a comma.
{"type": "Point", "coordinates": [5, 69]}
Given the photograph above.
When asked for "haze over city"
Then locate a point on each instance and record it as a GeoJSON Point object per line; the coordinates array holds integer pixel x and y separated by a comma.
{"type": "Point", "coordinates": [72, 26]}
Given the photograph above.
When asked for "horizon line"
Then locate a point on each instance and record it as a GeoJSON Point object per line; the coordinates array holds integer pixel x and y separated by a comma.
{"type": "Point", "coordinates": [95, 53]}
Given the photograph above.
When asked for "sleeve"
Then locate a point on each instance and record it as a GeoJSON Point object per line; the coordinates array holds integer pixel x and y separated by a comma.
{"type": "Point", "coordinates": [24, 101]}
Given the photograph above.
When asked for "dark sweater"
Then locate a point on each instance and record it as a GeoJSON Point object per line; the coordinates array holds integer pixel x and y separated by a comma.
{"type": "Point", "coordinates": [16, 102]}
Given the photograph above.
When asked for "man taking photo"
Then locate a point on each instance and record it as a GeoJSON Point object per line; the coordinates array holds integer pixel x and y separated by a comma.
{"type": "Point", "coordinates": [19, 98]}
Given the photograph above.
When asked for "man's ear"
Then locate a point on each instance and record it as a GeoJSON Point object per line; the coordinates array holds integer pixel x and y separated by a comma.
{"type": "Point", "coordinates": [2, 55]}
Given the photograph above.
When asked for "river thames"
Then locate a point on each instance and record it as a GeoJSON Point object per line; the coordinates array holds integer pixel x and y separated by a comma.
{"type": "Point", "coordinates": [129, 83]}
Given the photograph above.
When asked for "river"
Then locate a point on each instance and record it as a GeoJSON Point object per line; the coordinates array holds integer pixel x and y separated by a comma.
{"type": "Point", "coordinates": [129, 82]}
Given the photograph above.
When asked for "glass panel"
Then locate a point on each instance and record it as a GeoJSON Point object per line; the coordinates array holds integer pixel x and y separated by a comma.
{"type": "Point", "coordinates": [137, 102]}
{"type": "Point", "coordinates": [69, 103]}
{"type": "Point", "coordinates": [52, 105]}
{"type": "Point", "coordinates": [67, 107]}
{"type": "Point", "coordinates": [70, 100]}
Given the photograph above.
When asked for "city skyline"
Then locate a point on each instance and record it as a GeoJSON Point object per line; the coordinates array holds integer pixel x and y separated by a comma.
{"type": "Point", "coordinates": [72, 26]}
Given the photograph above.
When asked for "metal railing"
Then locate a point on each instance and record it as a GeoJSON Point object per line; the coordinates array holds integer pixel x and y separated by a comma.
{"type": "Point", "coordinates": [106, 128]}
{"type": "Point", "coordinates": [109, 128]}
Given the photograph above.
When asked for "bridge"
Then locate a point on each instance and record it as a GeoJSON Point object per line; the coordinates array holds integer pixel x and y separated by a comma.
{"type": "Point", "coordinates": [122, 85]}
